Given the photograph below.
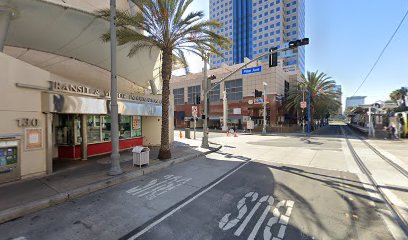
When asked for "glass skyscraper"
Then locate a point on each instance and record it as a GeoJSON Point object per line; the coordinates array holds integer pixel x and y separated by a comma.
{"type": "Point", "coordinates": [254, 26]}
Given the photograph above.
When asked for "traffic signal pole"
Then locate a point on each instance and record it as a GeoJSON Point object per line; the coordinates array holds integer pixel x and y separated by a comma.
{"type": "Point", "coordinates": [206, 90]}
{"type": "Point", "coordinates": [204, 143]}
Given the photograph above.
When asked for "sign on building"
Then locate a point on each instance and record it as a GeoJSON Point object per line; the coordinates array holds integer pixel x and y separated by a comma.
{"type": "Point", "coordinates": [237, 111]}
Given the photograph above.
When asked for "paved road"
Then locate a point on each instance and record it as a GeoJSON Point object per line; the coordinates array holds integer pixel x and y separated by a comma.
{"type": "Point", "coordinates": [257, 187]}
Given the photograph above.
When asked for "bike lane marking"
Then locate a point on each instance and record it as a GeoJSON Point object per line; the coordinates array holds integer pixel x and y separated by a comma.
{"type": "Point", "coordinates": [153, 224]}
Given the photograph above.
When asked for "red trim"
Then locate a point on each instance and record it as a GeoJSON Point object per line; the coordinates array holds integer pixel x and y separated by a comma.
{"type": "Point", "coordinates": [74, 152]}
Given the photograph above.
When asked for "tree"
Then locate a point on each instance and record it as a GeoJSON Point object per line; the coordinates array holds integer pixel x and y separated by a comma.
{"type": "Point", "coordinates": [166, 25]}
{"type": "Point", "coordinates": [398, 94]}
{"type": "Point", "coordinates": [323, 95]}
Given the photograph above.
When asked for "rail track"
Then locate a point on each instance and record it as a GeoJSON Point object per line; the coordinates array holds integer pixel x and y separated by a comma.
{"type": "Point", "coordinates": [399, 217]}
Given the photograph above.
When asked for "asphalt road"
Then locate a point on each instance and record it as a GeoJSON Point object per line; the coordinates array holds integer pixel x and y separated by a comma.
{"type": "Point", "coordinates": [262, 201]}
{"type": "Point", "coordinates": [226, 195]}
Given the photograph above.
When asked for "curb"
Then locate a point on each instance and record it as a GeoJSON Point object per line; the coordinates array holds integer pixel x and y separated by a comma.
{"type": "Point", "coordinates": [19, 211]}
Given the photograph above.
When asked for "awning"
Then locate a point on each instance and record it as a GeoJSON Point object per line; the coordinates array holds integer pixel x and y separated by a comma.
{"type": "Point", "coordinates": [73, 33]}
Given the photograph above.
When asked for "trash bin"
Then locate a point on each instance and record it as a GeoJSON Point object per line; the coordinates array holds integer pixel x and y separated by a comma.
{"type": "Point", "coordinates": [187, 133]}
{"type": "Point", "coordinates": [140, 155]}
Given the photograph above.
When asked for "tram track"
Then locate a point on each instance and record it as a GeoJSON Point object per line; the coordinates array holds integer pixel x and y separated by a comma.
{"type": "Point", "coordinates": [366, 171]}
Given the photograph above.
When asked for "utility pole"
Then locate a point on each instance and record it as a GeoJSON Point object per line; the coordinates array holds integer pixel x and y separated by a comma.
{"type": "Point", "coordinates": [204, 143]}
{"type": "Point", "coordinates": [264, 109]}
{"type": "Point", "coordinates": [115, 156]}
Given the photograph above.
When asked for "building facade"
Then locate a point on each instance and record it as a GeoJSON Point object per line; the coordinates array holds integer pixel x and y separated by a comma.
{"type": "Point", "coordinates": [240, 89]}
{"type": "Point", "coordinates": [355, 101]}
{"type": "Point", "coordinates": [55, 88]}
{"type": "Point", "coordinates": [254, 26]}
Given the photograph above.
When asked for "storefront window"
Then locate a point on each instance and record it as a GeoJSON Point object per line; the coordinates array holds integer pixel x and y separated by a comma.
{"type": "Point", "coordinates": [125, 127]}
{"type": "Point", "coordinates": [106, 128]}
{"type": "Point", "coordinates": [136, 126]}
{"type": "Point", "coordinates": [94, 128]}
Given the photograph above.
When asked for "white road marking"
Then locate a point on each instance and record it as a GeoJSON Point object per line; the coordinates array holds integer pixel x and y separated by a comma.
{"type": "Point", "coordinates": [249, 216]}
{"type": "Point", "coordinates": [158, 187]}
{"type": "Point", "coordinates": [150, 226]}
{"type": "Point", "coordinates": [271, 200]}
{"type": "Point", "coordinates": [277, 218]}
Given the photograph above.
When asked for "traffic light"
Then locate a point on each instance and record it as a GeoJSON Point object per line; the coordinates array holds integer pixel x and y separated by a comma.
{"type": "Point", "coordinates": [258, 93]}
{"type": "Point", "coordinates": [298, 43]}
{"type": "Point", "coordinates": [212, 77]}
{"type": "Point", "coordinates": [273, 58]}
{"type": "Point", "coordinates": [197, 99]}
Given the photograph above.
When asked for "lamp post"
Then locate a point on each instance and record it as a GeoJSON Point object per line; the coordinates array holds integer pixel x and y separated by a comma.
{"type": "Point", "coordinates": [264, 109]}
{"type": "Point", "coordinates": [115, 156]}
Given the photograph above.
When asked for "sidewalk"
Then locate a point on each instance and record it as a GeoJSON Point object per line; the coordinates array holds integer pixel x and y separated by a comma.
{"type": "Point", "coordinates": [26, 196]}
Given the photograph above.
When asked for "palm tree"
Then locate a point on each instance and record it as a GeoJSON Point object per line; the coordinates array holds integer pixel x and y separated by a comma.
{"type": "Point", "coordinates": [166, 25]}
{"type": "Point", "coordinates": [323, 95]}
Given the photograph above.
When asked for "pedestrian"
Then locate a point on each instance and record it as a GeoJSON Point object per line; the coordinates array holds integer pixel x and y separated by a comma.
{"type": "Point", "coordinates": [400, 125]}
{"type": "Point", "coordinates": [391, 132]}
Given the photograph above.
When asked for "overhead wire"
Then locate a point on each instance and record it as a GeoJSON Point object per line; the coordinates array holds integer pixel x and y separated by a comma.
{"type": "Point", "coordinates": [382, 52]}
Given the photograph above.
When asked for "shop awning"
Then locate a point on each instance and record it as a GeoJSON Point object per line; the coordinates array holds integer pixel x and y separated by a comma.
{"type": "Point", "coordinates": [73, 33]}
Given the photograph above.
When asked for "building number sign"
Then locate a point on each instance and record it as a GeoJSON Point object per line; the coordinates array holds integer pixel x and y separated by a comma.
{"type": "Point", "coordinates": [28, 122]}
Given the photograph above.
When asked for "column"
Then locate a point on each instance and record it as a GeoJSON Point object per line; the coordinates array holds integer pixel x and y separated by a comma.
{"type": "Point", "coordinates": [84, 136]}
{"type": "Point", "coordinates": [49, 142]}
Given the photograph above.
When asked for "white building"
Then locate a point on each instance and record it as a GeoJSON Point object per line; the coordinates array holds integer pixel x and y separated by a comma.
{"type": "Point", "coordinates": [55, 82]}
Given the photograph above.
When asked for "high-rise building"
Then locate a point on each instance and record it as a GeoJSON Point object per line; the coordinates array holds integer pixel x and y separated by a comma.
{"type": "Point", "coordinates": [354, 101]}
{"type": "Point", "coordinates": [339, 97]}
{"type": "Point", "coordinates": [254, 26]}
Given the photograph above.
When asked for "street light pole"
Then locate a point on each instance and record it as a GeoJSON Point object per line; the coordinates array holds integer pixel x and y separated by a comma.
{"type": "Point", "coordinates": [264, 109]}
{"type": "Point", "coordinates": [115, 156]}
{"type": "Point", "coordinates": [204, 143]}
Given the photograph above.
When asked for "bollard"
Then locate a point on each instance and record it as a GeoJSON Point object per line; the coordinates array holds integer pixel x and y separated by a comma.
{"type": "Point", "coordinates": [181, 134]}
{"type": "Point", "coordinates": [235, 134]}
{"type": "Point", "coordinates": [227, 134]}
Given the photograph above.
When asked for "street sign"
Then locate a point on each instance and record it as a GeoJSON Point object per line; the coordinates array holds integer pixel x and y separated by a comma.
{"type": "Point", "coordinates": [251, 70]}
{"type": "Point", "coordinates": [250, 124]}
{"type": "Point", "coordinates": [260, 100]}
{"type": "Point", "coordinates": [303, 105]}
{"type": "Point", "coordinates": [194, 111]}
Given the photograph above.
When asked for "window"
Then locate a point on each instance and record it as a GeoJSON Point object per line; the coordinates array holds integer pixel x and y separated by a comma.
{"type": "Point", "coordinates": [94, 128]}
{"type": "Point", "coordinates": [106, 128]}
{"type": "Point", "coordinates": [178, 96]}
{"type": "Point", "coordinates": [194, 91]}
{"type": "Point", "coordinates": [124, 127]}
{"type": "Point", "coordinates": [215, 93]}
{"type": "Point", "coordinates": [234, 89]}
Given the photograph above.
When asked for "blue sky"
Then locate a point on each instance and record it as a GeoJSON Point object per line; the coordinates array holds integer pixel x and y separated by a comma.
{"type": "Point", "coordinates": [346, 37]}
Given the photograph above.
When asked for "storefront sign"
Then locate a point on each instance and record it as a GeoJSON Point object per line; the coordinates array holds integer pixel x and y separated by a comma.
{"type": "Point", "coordinates": [80, 89]}
{"type": "Point", "coordinates": [28, 122]}
{"type": "Point", "coordinates": [33, 138]}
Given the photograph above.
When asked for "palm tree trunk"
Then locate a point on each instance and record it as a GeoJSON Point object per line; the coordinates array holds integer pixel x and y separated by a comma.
{"type": "Point", "coordinates": [164, 152]}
